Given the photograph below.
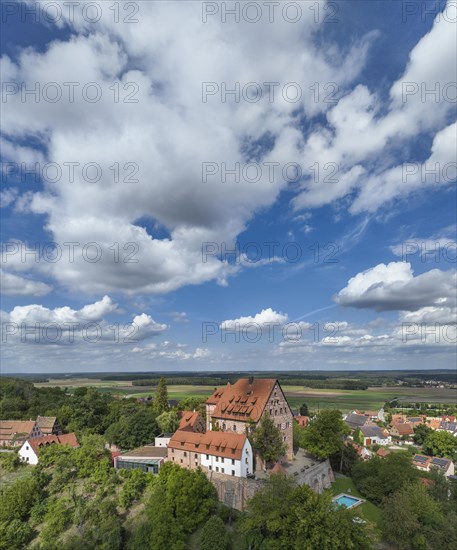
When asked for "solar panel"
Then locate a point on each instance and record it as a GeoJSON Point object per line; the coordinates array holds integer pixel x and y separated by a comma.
{"type": "Point", "coordinates": [440, 461]}
{"type": "Point", "coordinates": [421, 459]}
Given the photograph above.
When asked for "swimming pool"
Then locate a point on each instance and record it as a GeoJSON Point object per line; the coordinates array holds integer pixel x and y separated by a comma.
{"type": "Point", "coordinates": [347, 501]}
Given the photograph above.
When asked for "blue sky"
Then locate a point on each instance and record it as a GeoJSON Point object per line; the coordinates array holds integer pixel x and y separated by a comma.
{"type": "Point", "coordinates": [356, 177]}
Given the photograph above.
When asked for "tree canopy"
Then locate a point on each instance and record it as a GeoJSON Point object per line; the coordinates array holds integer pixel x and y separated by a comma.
{"type": "Point", "coordinates": [324, 435]}
{"type": "Point", "coordinates": [284, 516]}
{"type": "Point", "coordinates": [380, 477]}
{"type": "Point", "coordinates": [441, 444]}
{"type": "Point", "coordinates": [161, 397]}
{"type": "Point", "coordinates": [267, 440]}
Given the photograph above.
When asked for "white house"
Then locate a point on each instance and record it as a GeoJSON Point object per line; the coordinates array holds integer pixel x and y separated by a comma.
{"type": "Point", "coordinates": [427, 463]}
{"type": "Point", "coordinates": [214, 451]}
{"type": "Point", "coordinates": [162, 440]}
{"type": "Point", "coordinates": [374, 435]}
{"type": "Point", "coordinates": [30, 449]}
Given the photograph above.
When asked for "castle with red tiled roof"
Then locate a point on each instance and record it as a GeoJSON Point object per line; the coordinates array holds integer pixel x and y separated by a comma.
{"type": "Point", "coordinates": [233, 407]}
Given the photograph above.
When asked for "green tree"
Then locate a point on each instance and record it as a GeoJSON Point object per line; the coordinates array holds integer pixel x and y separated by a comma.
{"type": "Point", "coordinates": [161, 397]}
{"type": "Point", "coordinates": [296, 435]}
{"type": "Point", "coordinates": [420, 433]}
{"type": "Point", "coordinates": [133, 487]}
{"type": "Point", "coordinates": [214, 535]}
{"type": "Point", "coordinates": [17, 500]}
{"type": "Point", "coordinates": [304, 411]}
{"type": "Point", "coordinates": [168, 422]}
{"type": "Point", "coordinates": [358, 436]}
{"type": "Point", "coordinates": [441, 444]}
{"type": "Point", "coordinates": [346, 459]}
{"type": "Point", "coordinates": [324, 435]}
{"type": "Point", "coordinates": [412, 519]}
{"type": "Point", "coordinates": [14, 535]}
{"type": "Point", "coordinates": [134, 430]}
{"type": "Point", "coordinates": [283, 516]}
{"type": "Point", "coordinates": [267, 440]}
{"type": "Point", "coordinates": [379, 477]}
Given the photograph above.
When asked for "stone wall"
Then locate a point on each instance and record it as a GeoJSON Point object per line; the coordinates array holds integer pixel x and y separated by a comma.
{"type": "Point", "coordinates": [235, 492]}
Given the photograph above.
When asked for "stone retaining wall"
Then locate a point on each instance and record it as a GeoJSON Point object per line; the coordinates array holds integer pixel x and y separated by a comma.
{"type": "Point", "coordinates": [235, 492]}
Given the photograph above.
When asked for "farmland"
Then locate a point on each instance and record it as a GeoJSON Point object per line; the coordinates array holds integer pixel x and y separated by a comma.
{"type": "Point", "coordinates": [346, 400]}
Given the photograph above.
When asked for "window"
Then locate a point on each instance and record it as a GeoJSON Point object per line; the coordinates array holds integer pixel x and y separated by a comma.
{"type": "Point", "coordinates": [217, 459]}
{"type": "Point", "coordinates": [210, 467]}
{"type": "Point", "coordinates": [276, 412]}
{"type": "Point", "coordinates": [207, 457]}
{"type": "Point", "coordinates": [233, 472]}
{"type": "Point", "coordinates": [185, 453]}
{"type": "Point", "coordinates": [234, 427]}
{"type": "Point", "coordinates": [217, 468]}
{"type": "Point", "coordinates": [223, 426]}
{"type": "Point", "coordinates": [233, 461]}
{"type": "Point", "coordinates": [246, 461]}
{"type": "Point", "coordinates": [223, 470]}
{"type": "Point", "coordinates": [181, 460]}
{"type": "Point", "coordinates": [196, 455]}
{"type": "Point", "coordinates": [27, 447]}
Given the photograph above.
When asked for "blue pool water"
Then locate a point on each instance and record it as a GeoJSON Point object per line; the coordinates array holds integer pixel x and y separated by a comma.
{"type": "Point", "coordinates": [347, 501]}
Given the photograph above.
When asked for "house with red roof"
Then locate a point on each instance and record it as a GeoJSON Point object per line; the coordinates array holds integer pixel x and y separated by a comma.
{"type": "Point", "coordinates": [214, 451]}
{"type": "Point", "coordinates": [13, 433]}
{"type": "Point", "coordinates": [302, 421]}
{"type": "Point", "coordinates": [402, 429]}
{"type": "Point", "coordinates": [235, 407]}
{"type": "Point", "coordinates": [29, 452]}
{"type": "Point", "coordinates": [191, 421]}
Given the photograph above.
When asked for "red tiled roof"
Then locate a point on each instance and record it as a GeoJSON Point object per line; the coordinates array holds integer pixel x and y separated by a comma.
{"type": "Point", "coordinates": [404, 428]}
{"type": "Point", "coordinates": [229, 445]}
{"type": "Point", "coordinates": [382, 452]}
{"type": "Point", "coordinates": [434, 424]}
{"type": "Point", "coordinates": [242, 400]}
{"type": "Point", "coordinates": [65, 439]}
{"type": "Point", "coordinates": [188, 420]}
{"type": "Point", "coordinates": [302, 420]}
{"type": "Point", "coordinates": [10, 428]}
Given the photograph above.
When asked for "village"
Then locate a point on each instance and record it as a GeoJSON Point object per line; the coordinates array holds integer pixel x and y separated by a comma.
{"type": "Point", "coordinates": [220, 444]}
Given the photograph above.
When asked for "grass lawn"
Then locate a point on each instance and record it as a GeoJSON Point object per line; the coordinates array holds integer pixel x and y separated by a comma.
{"type": "Point", "coordinates": [367, 510]}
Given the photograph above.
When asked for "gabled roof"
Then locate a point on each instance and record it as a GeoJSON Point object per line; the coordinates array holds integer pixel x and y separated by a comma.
{"type": "Point", "coordinates": [382, 452]}
{"type": "Point", "coordinates": [245, 399]}
{"type": "Point", "coordinates": [11, 428]}
{"type": "Point", "coordinates": [66, 439]}
{"type": "Point", "coordinates": [374, 431]}
{"type": "Point", "coordinates": [357, 420]}
{"type": "Point", "coordinates": [303, 421]}
{"type": "Point", "coordinates": [46, 421]}
{"type": "Point", "coordinates": [188, 420]}
{"type": "Point", "coordinates": [404, 428]}
{"type": "Point", "coordinates": [434, 423]}
{"type": "Point", "coordinates": [225, 444]}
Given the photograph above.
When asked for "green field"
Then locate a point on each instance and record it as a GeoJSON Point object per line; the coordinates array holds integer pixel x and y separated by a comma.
{"type": "Point", "coordinates": [345, 400]}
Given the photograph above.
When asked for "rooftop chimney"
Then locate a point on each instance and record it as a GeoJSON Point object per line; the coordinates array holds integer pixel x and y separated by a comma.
{"type": "Point", "coordinates": [251, 380]}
